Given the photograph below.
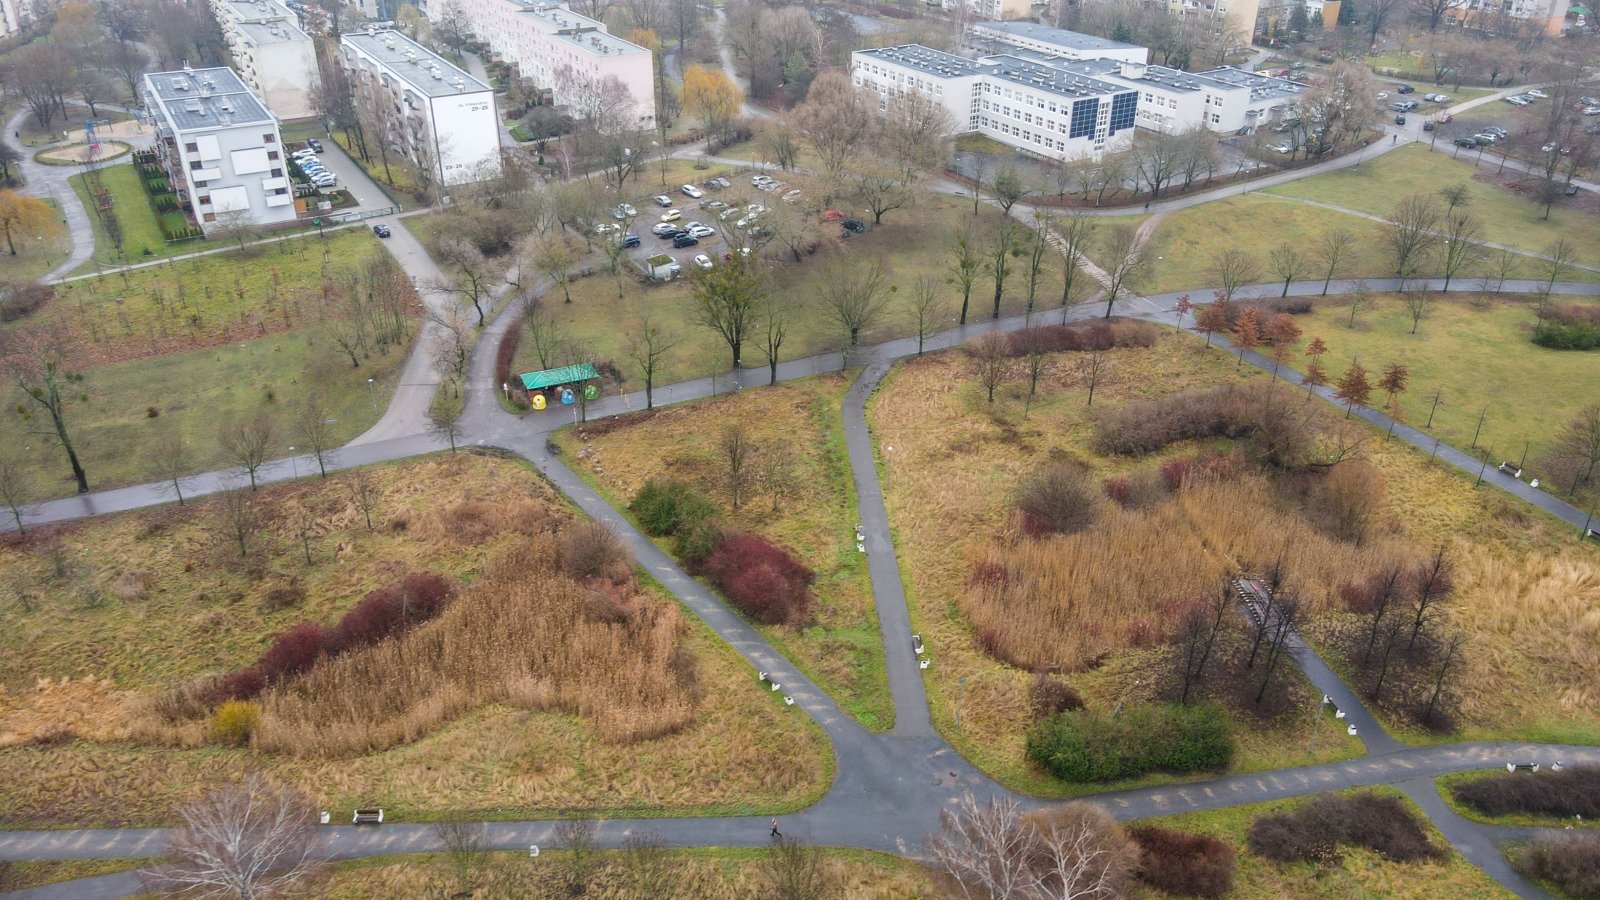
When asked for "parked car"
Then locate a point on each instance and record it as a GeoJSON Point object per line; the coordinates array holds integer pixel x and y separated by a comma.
{"type": "Point", "coordinates": [685, 240]}
{"type": "Point", "coordinates": [1400, 119]}
{"type": "Point", "coordinates": [1484, 140]}
{"type": "Point", "coordinates": [1444, 118]}
{"type": "Point", "coordinates": [1592, 110]}
{"type": "Point", "coordinates": [745, 222]}
{"type": "Point", "coordinates": [1405, 89]}
{"type": "Point", "coordinates": [307, 153]}
{"type": "Point", "coordinates": [662, 200]}
{"type": "Point", "coordinates": [325, 181]}
{"type": "Point", "coordinates": [624, 211]}
{"type": "Point", "coordinates": [1429, 96]}
{"type": "Point", "coordinates": [1383, 95]}
{"type": "Point", "coordinates": [731, 211]}
{"type": "Point", "coordinates": [691, 191]}
{"type": "Point", "coordinates": [671, 215]}
{"type": "Point", "coordinates": [630, 240]}
{"type": "Point", "coordinates": [703, 261]}
{"type": "Point", "coordinates": [606, 228]}
{"type": "Point", "coordinates": [1518, 100]}
{"type": "Point", "coordinates": [315, 144]}
{"type": "Point", "coordinates": [1441, 98]}
{"type": "Point", "coordinates": [701, 231]}
{"type": "Point", "coordinates": [1284, 147]}
{"type": "Point", "coordinates": [759, 179]}
{"type": "Point", "coordinates": [1536, 94]}
{"type": "Point", "coordinates": [1428, 126]}
{"type": "Point", "coordinates": [1589, 101]}
{"type": "Point", "coordinates": [855, 225]}
{"type": "Point", "coordinates": [713, 205]}
{"type": "Point", "coordinates": [792, 197]}
{"type": "Point", "coordinates": [1495, 130]}
{"type": "Point", "coordinates": [1571, 190]}
{"type": "Point", "coordinates": [1466, 142]}
{"type": "Point", "coordinates": [381, 230]}
{"type": "Point", "coordinates": [720, 182]}
{"type": "Point", "coordinates": [665, 229]}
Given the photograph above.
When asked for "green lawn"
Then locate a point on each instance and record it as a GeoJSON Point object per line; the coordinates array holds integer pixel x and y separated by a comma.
{"type": "Point", "coordinates": [1357, 872]}
{"type": "Point", "coordinates": [35, 257]}
{"type": "Point", "coordinates": [401, 178]}
{"type": "Point", "coordinates": [141, 227]}
{"type": "Point", "coordinates": [1481, 358]}
{"type": "Point", "coordinates": [1375, 187]}
{"type": "Point", "coordinates": [911, 243]}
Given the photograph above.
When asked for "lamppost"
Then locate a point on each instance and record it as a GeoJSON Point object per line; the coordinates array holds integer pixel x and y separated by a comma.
{"type": "Point", "coordinates": [372, 396]}
{"type": "Point", "coordinates": [294, 465]}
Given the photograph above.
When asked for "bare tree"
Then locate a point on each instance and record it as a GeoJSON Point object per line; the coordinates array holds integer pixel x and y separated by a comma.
{"type": "Point", "coordinates": [1232, 269]}
{"type": "Point", "coordinates": [648, 345]}
{"type": "Point", "coordinates": [1092, 370]}
{"type": "Point", "coordinates": [1557, 262]}
{"type": "Point", "coordinates": [472, 273]}
{"type": "Point", "coordinates": [555, 255]}
{"type": "Point", "coordinates": [1001, 250]}
{"type": "Point", "coordinates": [316, 432]}
{"type": "Point", "coordinates": [239, 515]}
{"type": "Point", "coordinates": [1076, 231]}
{"type": "Point", "coordinates": [1575, 454]}
{"type": "Point", "coordinates": [577, 838]}
{"type": "Point", "coordinates": [466, 847]}
{"type": "Point", "coordinates": [1334, 251]}
{"type": "Point", "coordinates": [1432, 583]}
{"type": "Point", "coordinates": [649, 865]}
{"type": "Point", "coordinates": [444, 416]}
{"type": "Point", "coordinates": [1289, 264]}
{"type": "Point", "coordinates": [1412, 233]}
{"type": "Point", "coordinates": [795, 870]}
{"type": "Point", "coordinates": [965, 266]}
{"type": "Point", "coordinates": [38, 361]}
{"type": "Point", "coordinates": [1418, 304]}
{"type": "Point", "coordinates": [727, 300]}
{"type": "Point", "coordinates": [990, 850]}
{"type": "Point", "coordinates": [1359, 299]}
{"type": "Point", "coordinates": [1198, 635]}
{"type": "Point", "coordinates": [173, 460]}
{"type": "Point", "coordinates": [1463, 236]}
{"type": "Point", "coordinates": [1128, 257]}
{"type": "Point", "coordinates": [364, 493]}
{"type": "Point", "coordinates": [991, 357]}
{"type": "Point", "coordinates": [736, 451]}
{"type": "Point", "coordinates": [926, 308]}
{"type": "Point", "coordinates": [854, 297]}
{"type": "Point", "coordinates": [1285, 614]}
{"type": "Point", "coordinates": [775, 313]}
{"type": "Point", "coordinates": [1503, 267]}
{"type": "Point", "coordinates": [545, 333]}
{"type": "Point", "coordinates": [249, 443]}
{"type": "Point", "coordinates": [1449, 659]}
{"type": "Point", "coordinates": [14, 487]}
{"type": "Point", "coordinates": [250, 839]}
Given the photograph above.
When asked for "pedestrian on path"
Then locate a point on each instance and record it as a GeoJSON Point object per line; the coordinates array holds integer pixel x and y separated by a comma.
{"type": "Point", "coordinates": [1396, 139]}
{"type": "Point", "coordinates": [775, 832]}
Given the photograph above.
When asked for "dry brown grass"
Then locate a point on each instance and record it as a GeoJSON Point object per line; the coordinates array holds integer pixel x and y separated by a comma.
{"type": "Point", "coordinates": [711, 875]}
{"type": "Point", "coordinates": [1070, 600]}
{"type": "Point", "coordinates": [798, 425]}
{"type": "Point", "coordinates": [524, 635]}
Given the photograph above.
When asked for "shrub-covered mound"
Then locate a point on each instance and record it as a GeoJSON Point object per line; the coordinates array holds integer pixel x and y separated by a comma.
{"type": "Point", "coordinates": [1084, 746]}
{"type": "Point", "coordinates": [1568, 861]}
{"type": "Point", "coordinates": [1188, 865]}
{"type": "Point", "coordinates": [1574, 792]}
{"type": "Point", "coordinates": [1315, 831]}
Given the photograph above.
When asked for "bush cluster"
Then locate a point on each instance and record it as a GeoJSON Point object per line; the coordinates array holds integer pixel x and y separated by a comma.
{"type": "Point", "coordinates": [1058, 499]}
{"type": "Point", "coordinates": [233, 722]}
{"type": "Point", "coordinates": [1051, 696]}
{"type": "Point", "coordinates": [1315, 831]}
{"type": "Point", "coordinates": [1569, 861]}
{"type": "Point", "coordinates": [1188, 865]}
{"type": "Point", "coordinates": [589, 550]}
{"type": "Point", "coordinates": [1567, 335]}
{"type": "Point", "coordinates": [21, 299]}
{"type": "Point", "coordinates": [1573, 792]}
{"type": "Point", "coordinates": [666, 506]}
{"type": "Point", "coordinates": [1148, 425]}
{"type": "Point", "coordinates": [1082, 336]}
{"type": "Point", "coordinates": [762, 579]}
{"type": "Point", "coordinates": [381, 613]}
{"type": "Point", "coordinates": [1083, 746]}
{"type": "Point", "coordinates": [1271, 306]}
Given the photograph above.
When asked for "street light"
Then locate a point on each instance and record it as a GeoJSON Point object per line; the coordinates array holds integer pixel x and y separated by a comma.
{"type": "Point", "coordinates": [294, 465]}
{"type": "Point", "coordinates": [372, 396]}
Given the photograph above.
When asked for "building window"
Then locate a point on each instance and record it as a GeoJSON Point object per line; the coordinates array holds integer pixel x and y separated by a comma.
{"type": "Point", "coordinates": [272, 154]}
{"type": "Point", "coordinates": [191, 148]}
{"type": "Point", "coordinates": [269, 139]}
{"type": "Point", "coordinates": [277, 173]}
{"type": "Point", "coordinates": [208, 217]}
{"type": "Point", "coordinates": [1083, 114]}
{"type": "Point", "coordinates": [204, 198]}
{"type": "Point", "coordinates": [196, 165]}
{"type": "Point", "coordinates": [1123, 108]}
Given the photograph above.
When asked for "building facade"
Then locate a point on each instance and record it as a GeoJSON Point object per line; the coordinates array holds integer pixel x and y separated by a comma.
{"type": "Point", "coordinates": [17, 14]}
{"type": "Point", "coordinates": [998, 37]}
{"type": "Point", "coordinates": [271, 52]}
{"type": "Point", "coordinates": [1537, 16]}
{"type": "Point", "coordinates": [221, 148]}
{"type": "Point", "coordinates": [999, 10]}
{"type": "Point", "coordinates": [565, 51]}
{"type": "Point", "coordinates": [436, 115]}
{"type": "Point", "coordinates": [1044, 110]}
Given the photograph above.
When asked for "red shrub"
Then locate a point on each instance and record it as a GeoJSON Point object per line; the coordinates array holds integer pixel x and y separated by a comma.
{"type": "Point", "coordinates": [1176, 472]}
{"type": "Point", "coordinates": [388, 610]}
{"type": "Point", "coordinates": [987, 573]}
{"type": "Point", "coordinates": [762, 579]}
{"type": "Point", "coordinates": [1119, 489]}
{"type": "Point", "coordinates": [241, 684]}
{"type": "Point", "coordinates": [1189, 865]}
{"type": "Point", "coordinates": [294, 651]}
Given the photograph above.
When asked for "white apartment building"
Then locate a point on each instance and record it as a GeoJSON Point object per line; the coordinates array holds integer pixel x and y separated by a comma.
{"type": "Point", "coordinates": [1223, 99]}
{"type": "Point", "coordinates": [998, 10]}
{"type": "Point", "coordinates": [271, 52]}
{"type": "Point", "coordinates": [443, 119]}
{"type": "Point", "coordinates": [1545, 16]}
{"type": "Point", "coordinates": [14, 14]}
{"type": "Point", "coordinates": [220, 146]}
{"type": "Point", "coordinates": [996, 37]}
{"type": "Point", "coordinates": [1039, 109]}
{"type": "Point", "coordinates": [562, 50]}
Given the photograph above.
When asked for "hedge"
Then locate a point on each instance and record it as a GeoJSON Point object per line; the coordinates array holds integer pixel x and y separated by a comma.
{"type": "Point", "coordinates": [1565, 794]}
{"type": "Point", "coordinates": [1567, 335]}
{"type": "Point", "coordinates": [664, 506]}
{"type": "Point", "coordinates": [1084, 746]}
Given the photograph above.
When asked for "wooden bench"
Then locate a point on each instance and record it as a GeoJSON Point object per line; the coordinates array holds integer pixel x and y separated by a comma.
{"type": "Point", "coordinates": [1522, 767]}
{"type": "Point", "coordinates": [1591, 533]}
{"type": "Point", "coordinates": [368, 816]}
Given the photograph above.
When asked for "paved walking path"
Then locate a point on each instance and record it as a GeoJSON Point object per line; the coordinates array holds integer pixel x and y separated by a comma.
{"type": "Point", "coordinates": [52, 183]}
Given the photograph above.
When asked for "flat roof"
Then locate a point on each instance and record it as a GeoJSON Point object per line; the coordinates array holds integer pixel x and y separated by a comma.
{"type": "Point", "coordinates": [413, 63]}
{"type": "Point", "coordinates": [258, 10]}
{"type": "Point", "coordinates": [534, 381]}
{"type": "Point", "coordinates": [203, 99]}
{"type": "Point", "coordinates": [1059, 37]}
{"type": "Point", "coordinates": [1262, 87]}
{"type": "Point", "coordinates": [600, 42]}
{"type": "Point", "coordinates": [1050, 78]}
{"type": "Point", "coordinates": [577, 29]}
{"type": "Point", "coordinates": [261, 33]}
{"type": "Point", "coordinates": [926, 59]}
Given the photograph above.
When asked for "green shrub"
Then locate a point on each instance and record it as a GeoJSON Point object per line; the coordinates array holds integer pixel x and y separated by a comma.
{"type": "Point", "coordinates": [1567, 335]}
{"type": "Point", "coordinates": [233, 722]}
{"type": "Point", "coordinates": [695, 541]}
{"type": "Point", "coordinates": [667, 506]}
{"type": "Point", "coordinates": [1084, 746]}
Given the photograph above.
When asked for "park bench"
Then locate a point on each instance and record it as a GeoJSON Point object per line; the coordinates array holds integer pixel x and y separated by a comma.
{"type": "Point", "coordinates": [368, 816]}
{"type": "Point", "coordinates": [1522, 767]}
{"type": "Point", "coordinates": [1591, 533]}
{"type": "Point", "coordinates": [1510, 468]}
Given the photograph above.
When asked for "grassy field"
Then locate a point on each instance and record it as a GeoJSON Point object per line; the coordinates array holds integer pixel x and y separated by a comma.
{"type": "Point", "coordinates": [1477, 351]}
{"type": "Point", "coordinates": [141, 227]}
{"type": "Point", "coordinates": [1521, 580]}
{"type": "Point", "coordinates": [19, 876]}
{"type": "Point", "coordinates": [1357, 873]}
{"type": "Point", "coordinates": [941, 524]}
{"type": "Point", "coordinates": [801, 421]}
{"type": "Point", "coordinates": [911, 242]}
{"type": "Point", "coordinates": [202, 613]}
{"type": "Point", "coordinates": [243, 335]}
{"type": "Point", "coordinates": [711, 874]}
{"type": "Point", "coordinates": [36, 257]}
{"type": "Point", "coordinates": [1375, 187]}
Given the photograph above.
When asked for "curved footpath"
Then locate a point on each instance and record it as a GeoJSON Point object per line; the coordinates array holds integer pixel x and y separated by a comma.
{"type": "Point", "coordinates": [889, 788]}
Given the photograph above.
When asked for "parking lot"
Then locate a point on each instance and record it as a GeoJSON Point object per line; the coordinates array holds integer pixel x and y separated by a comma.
{"type": "Point", "coordinates": [730, 205]}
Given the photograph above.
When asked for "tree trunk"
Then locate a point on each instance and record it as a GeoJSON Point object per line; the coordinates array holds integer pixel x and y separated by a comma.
{"type": "Point", "coordinates": [72, 454]}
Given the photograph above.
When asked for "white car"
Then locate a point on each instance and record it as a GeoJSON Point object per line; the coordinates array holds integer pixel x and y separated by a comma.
{"type": "Point", "coordinates": [606, 228]}
{"type": "Point", "coordinates": [792, 197]}
{"type": "Point", "coordinates": [759, 180]}
{"type": "Point", "coordinates": [1591, 110]}
{"type": "Point", "coordinates": [701, 231]}
{"type": "Point", "coordinates": [1535, 94]}
{"type": "Point", "coordinates": [690, 190]}
{"type": "Point", "coordinates": [624, 211]}
{"type": "Point", "coordinates": [1518, 101]}
{"type": "Point", "coordinates": [703, 261]}
{"type": "Point", "coordinates": [671, 215]}
{"type": "Point", "coordinates": [304, 154]}
{"type": "Point", "coordinates": [1383, 95]}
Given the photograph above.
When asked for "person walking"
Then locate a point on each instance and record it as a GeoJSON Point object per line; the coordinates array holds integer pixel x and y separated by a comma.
{"type": "Point", "coordinates": [775, 832]}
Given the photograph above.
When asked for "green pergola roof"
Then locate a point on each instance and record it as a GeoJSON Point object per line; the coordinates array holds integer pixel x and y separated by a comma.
{"type": "Point", "coordinates": [534, 381]}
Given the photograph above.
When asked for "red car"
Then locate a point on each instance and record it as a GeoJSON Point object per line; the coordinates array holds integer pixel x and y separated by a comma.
{"type": "Point", "coordinates": [1444, 118]}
